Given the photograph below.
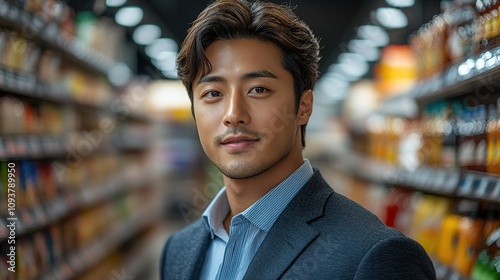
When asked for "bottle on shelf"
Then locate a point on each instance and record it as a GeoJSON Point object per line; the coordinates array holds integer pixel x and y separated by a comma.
{"type": "Point", "coordinates": [460, 16]}
{"type": "Point", "coordinates": [485, 267]}
{"type": "Point", "coordinates": [466, 143]}
{"type": "Point", "coordinates": [491, 139]}
{"type": "Point", "coordinates": [479, 136]}
{"type": "Point", "coordinates": [496, 135]}
{"type": "Point", "coordinates": [470, 232]}
{"type": "Point", "coordinates": [448, 237]}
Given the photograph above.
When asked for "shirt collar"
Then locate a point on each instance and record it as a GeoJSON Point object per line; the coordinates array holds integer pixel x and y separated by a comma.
{"type": "Point", "coordinates": [265, 211]}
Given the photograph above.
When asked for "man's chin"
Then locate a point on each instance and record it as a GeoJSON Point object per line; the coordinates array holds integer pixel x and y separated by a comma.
{"type": "Point", "coordinates": [241, 171]}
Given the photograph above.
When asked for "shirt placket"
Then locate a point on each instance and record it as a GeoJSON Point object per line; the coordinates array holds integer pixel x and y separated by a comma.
{"type": "Point", "coordinates": [234, 249]}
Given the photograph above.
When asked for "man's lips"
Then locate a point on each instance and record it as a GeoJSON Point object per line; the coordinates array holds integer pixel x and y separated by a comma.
{"type": "Point", "coordinates": [238, 142]}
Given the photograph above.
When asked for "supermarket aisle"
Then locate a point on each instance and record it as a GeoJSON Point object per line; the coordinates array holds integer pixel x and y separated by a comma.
{"type": "Point", "coordinates": [99, 165]}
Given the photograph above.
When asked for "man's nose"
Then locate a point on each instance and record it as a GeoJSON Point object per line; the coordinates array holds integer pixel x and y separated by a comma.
{"type": "Point", "coordinates": [236, 110]}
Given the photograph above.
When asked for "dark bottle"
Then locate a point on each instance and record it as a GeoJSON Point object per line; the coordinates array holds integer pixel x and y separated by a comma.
{"type": "Point", "coordinates": [450, 139]}
{"type": "Point", "coordinates": [479, 136]}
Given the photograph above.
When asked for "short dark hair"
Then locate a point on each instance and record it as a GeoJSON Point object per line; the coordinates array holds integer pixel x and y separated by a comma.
{"type": "Point", "coordinates": [234, 19]}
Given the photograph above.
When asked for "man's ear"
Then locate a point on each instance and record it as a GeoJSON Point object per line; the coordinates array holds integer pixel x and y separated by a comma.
{"type": "Point", "coordinates": [305, 107]}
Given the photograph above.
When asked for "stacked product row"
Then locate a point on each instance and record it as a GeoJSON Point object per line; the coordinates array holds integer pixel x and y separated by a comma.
{"type": "Point", "coordinates": [451, 134]}
{"type": "Point", "coordinates": [465, 28]}
{"type": "Point", "coordinates": [77, 156]}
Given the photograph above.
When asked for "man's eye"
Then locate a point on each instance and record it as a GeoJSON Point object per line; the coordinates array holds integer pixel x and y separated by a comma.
{"type": "Point", "coordinates": [258, 90]}
{"type": "Point", "coordinates": [212, 94]}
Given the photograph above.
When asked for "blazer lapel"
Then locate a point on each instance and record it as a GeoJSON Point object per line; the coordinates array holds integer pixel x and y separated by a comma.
{"type": "Point", "coordinates": [189, 261]}
{"type": "Point", "coordinates": [291, 233]}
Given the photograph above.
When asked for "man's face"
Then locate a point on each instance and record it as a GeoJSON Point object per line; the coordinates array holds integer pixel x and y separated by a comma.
{"type": "Point", "coordinates": [245, 109]}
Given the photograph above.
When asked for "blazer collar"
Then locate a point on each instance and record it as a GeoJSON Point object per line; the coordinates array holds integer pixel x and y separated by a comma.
{"type": "Point", "coordinates": [291, 233]}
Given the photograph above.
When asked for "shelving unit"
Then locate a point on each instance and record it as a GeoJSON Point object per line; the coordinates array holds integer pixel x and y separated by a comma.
{"type": "Point", "coordinates": [85, 181]}
{"type": "Point", "coordinates": [445, 182]}
{"type": "Point", "coordinates": [452, 172]}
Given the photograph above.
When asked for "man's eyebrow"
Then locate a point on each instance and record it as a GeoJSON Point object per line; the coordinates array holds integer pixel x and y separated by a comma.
{"type": "Point", "coordinates": [211, 79]}
{"type": "Point", "coordinates": [246, 76]}
{"type": "Point", "coordinates": [258, 74]}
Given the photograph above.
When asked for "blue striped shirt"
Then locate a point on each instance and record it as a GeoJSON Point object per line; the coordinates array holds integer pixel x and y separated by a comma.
{"type": "Point", "coordinates": [228, 257]}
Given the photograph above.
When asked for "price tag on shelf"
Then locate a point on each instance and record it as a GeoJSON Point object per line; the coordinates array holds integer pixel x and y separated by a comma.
{"type": "Point", "coordinates": [441, 271]}
{"type": "Point", "coordinates": [34, 146]}
{"type": "Point", "coordinates": [451, 182]}
{"type": "Point", "coordinates": [451, 76]}
{"type": "Point", "coordinates": [430, 179]}
{"type": "Point", "coordinates": [10, 145]}
{"type": "Point", "coordinates": [437, 83]}
{"type": "Point", "coordinates": [36, 24]}
{"type": "Point", "coordinates": [439, 180]}
{"type": "Point", "coordinates": [21, 146]}
{"type": "Point", "coordinates": [495, 194]}
{"type": "Point", "coordinates": [2, 77]}
{"type": "Point", "coordinates": [10, 79]}
{"type": "Point", "coordinates": [419, 178]}
{"type": "Point", "coordinates": [13, 14]}
{"type": "Point", "coordinates": [30, 83]}
{"type": "Point", "coordinates": [466, 185]}
{"type": "Point", "coordinates": [19, 83]}
{"type": "Point", "coordinates": [482, 186]}
{"type": "Point", "coordinates": [490, 188]}
{"type": "Point", "coordinates": [4, 9]}
{"type": "Point", "coordinates": [27, 219]}
{"type": "Point", "coordinates": [3, 148]}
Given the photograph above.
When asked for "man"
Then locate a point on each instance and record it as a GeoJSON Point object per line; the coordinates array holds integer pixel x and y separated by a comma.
{"type": "Point", "coordinates": [249, 69]}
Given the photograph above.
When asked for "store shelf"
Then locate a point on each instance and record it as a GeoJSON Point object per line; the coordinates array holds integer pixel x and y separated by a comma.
{"type": "Point", "coordinates": [443, 272]}
{"type": "Point", "coordinates": [27, 85]}
{"type": "Point", "coordinates": [459, 78]}
{"type": "Point", "coordinates": [447, 182]}
{"type": "Point", "coordinates": [33, 146]}
{"type": "Point", "coordinates": [49, 35]}
{"type": "Point", "coordinates": [84, 258]}
{"type": "Point", "coordinates": [39, 216]}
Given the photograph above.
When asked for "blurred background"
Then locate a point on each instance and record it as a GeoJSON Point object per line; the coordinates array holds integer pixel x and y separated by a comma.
{"type": "Point", "coordinates": [97, 133]}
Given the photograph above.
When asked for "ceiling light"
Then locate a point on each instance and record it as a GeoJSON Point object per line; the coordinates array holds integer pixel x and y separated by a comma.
{"type": "Point", "coordinates": [366, 48]}
{"type": "Point", "coordinates": [115, 3]}
{"type": "Point", "coordinates": [374, 33]}
{"type": "Point", "coordinates": [336, 69]}
{"type": "Point", "coordinates": [159, 46]}
{"type": "Point", "coordinates": [401, 3]}
{"type": "Point", "coordinates": [120, 74]}
{"type": "Point", "coordinates": [166, 61]}
{"type": "Point", "coordinates": [329, 92]}
{"type": "Point", "coordinates": [146, 34]}
{"type": "Point", "coordinates": [129, 16]}
{"type": "Point", "coordinates": [391, 17]}
{"type": "Point", "coordinates": [353, 64]}
{"type": "Point", "coordinates": [171, 74]}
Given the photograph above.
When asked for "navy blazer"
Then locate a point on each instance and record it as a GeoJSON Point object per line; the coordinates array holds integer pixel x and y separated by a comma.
{"type": "Point", "coordinates": [320, 235]}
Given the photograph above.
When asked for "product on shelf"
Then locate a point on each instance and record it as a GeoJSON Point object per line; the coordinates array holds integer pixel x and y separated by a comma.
{"type": "Point", "coordinates": [400, 205]}
{"type": "Point", "coordinates": [470, 232]}
{"type": "Point", "coordinates": [485, 267]}
{"type": "Point", "coordinates": [426, 222]}
{"type": "Point", "coordinates": [463, 29]}
{"type": "Point", "coordinates": [493, 157]}
{"type": "Point", "coordinates": [460, 29]}
{"type": "Point", "coordinates": [450, 138]}
{"type": "Point", "coordinates": [448, 238]}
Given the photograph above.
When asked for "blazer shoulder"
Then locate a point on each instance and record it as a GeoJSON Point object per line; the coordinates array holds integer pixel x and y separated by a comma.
{"type": "Point", "coordinates": [396, 257]}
